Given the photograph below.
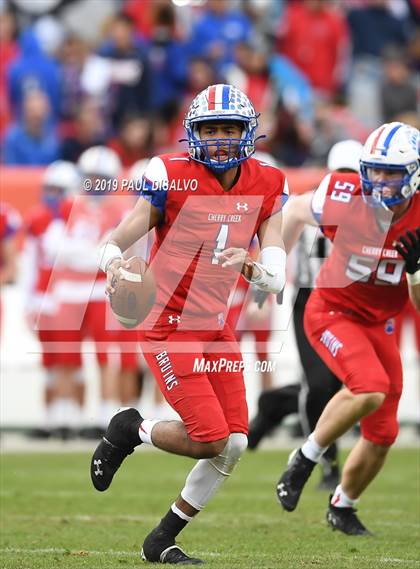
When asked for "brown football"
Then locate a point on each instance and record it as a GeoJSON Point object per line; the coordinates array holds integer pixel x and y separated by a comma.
{"type": "Point", "coordinates": [135, 293]}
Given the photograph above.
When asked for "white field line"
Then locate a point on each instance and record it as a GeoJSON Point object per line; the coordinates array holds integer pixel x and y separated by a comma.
{"type": "Point", "coordinates": [111, 552]}
{"type": "Point", "coordinates": [209, 518]}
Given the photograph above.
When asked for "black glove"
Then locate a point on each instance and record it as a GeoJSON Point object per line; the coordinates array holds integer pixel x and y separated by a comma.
{"type": "Point", "coordinates": [260, 297]}
{"type": "Point", "coordinates": [409, 249]}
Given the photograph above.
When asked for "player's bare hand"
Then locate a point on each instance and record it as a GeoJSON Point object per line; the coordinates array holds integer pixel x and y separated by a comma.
{"type": "Point", "coordinates": [113, 274]}
{"type": "Point", "coordinates": [234, 257]}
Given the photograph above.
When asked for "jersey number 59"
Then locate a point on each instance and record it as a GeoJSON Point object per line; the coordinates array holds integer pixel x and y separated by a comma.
{"type": "Point", "coordinates": [388, 272]}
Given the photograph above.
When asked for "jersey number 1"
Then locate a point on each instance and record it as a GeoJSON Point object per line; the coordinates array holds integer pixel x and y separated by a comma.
{"type": "Point", "coordinates": [221, 240]}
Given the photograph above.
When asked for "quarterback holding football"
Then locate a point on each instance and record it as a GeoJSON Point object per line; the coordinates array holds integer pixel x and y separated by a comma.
{"type": "Point", "coordinates": [203, 230]}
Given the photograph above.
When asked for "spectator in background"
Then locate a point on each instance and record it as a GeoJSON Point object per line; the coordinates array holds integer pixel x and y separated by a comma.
{"type": "Point", "coordinates": [89, 130]}
{"type": "Point", "coordinates": [73, 54]}
{"type": "Point", "coordinates": [398, 90]}
{"type": "Point", "coordinates": [129, 70]}
{"type": "Point", "coordinates": [8, 52]}
{"type": "Point", "coordinates": [314, 36]}
{"type": "Point", "coordinates": [215, 35]}
{"type": "Point", "coordinates": [201, 74]}
{"type": "Point", "coordinates": [33, 70]}
{"type": "Point", "coordinates": [142, 14]}
{"type": "Point", "coordinates": [291, 140]}
{"type": "Point", "coordinates": [249, 73]}
{"type": "Point", "coordinates": [333, 121]}
{"type": "Point", "coordinates": [134, 140]}
{"type": "Point", "coordinates": [168, 63]}
{"type": "Point", "coordinates": [373, 27]}
{"type": "Point", "coordinates": [32, 141]}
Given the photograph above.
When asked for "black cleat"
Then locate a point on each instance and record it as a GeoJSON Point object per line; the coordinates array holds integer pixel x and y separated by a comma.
{"type": "Point", "coordinates": [119, 441]}
{"type": "Point", "coordinates": [345, 520]}
{"type": "Point", "coordinates": [293, 479]}
{"type": "Point", "coordinates": [159, 547]}
{"type": "Point", "coordinates": [330, 476]}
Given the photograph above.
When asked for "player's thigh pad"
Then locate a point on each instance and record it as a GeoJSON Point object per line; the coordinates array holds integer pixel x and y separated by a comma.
{"type": "Point", "coordinates": [347, 349]}
{"type": "Point", "coordinates": [209, 474]}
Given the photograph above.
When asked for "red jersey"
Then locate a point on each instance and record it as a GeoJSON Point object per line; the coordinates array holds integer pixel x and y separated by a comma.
{"type": "Point", "coordinates": [199, 220]}
{"type": "Point", "coordinates": [41, 227]}
{"type": "Point", "coordinates": [364, 274]}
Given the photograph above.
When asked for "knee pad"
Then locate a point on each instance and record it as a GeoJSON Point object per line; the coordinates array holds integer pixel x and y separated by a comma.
{"type": "Point", "coordinates": [225, 461]}
{"type": "Point", "coordinates": [209, 473]}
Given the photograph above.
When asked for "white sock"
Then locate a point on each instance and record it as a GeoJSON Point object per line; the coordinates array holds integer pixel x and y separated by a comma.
{"type": "Point", "coordinates": [180, 513]}
{"type": "Point", "coordinates": [341, 500]}
{"type": "Point", "coordinates": [145, 430]}
{"type": "Point", "coordinates": [312, 450]}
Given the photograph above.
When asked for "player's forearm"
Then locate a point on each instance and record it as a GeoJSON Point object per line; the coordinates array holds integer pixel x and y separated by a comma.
{"type": "Point", "coordinates": [139, 222]}
{"type": "Point", "coordinates": [297, 214]}
{"type": "Point", "coordinates": [292, 229]}
{"type": "Point", "coordinates": [135, 225]}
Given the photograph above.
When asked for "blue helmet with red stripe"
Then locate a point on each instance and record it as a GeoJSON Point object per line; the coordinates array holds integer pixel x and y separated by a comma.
{"type": "Point", "coordinates": [221, 103]}
{"type": "Point", "coordinates": [393, 148]}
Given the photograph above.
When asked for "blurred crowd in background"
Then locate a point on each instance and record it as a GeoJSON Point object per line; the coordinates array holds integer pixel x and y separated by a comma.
{"type": "Point", "coordinates": [90, 89]}
{"type": "Point", "coordinates": [78, 73]}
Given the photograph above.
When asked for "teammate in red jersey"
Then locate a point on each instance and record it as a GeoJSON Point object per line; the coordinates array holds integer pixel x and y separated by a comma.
{"type": "Point", "coordinates": [205, 205]}
{"type": "Point", "coordinates": [349, 319]}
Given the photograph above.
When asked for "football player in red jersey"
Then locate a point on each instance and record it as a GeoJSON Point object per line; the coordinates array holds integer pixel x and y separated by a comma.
{"type": "Point", "coordinates": [373, 221]}
{"type": "Point", "coordinates": [205, 205]}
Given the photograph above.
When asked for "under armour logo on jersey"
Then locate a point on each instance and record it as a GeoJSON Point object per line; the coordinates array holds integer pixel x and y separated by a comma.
{"type": "Point", "coordinates": [281, 490]}
{"type": "Point", "coordinates": [98, 471]}
{"type": "Point", "coordinates": [174, 319]}
{"type": "Point", "coordinates": [242, 206]}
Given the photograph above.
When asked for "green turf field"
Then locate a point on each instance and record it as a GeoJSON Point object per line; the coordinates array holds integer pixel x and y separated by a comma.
{"type": "Point", "coordinates": [53, 518]}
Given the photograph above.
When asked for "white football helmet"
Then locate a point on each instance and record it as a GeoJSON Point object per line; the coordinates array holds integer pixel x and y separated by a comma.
{"type": "Point", "coordinates": [221, 103]}
{"type": "Point", "coordinates": [345, 155]}
{"type": "Point", "coordinates": [62, 175]}
{"type": "Point", "coordinates": [394, 147]}
{"type": "Point", "coordinates": [99, 161]}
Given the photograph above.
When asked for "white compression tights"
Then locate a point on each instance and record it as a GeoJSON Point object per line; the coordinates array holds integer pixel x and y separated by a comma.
{"type": "Point", "coordinates": [209, 473]}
